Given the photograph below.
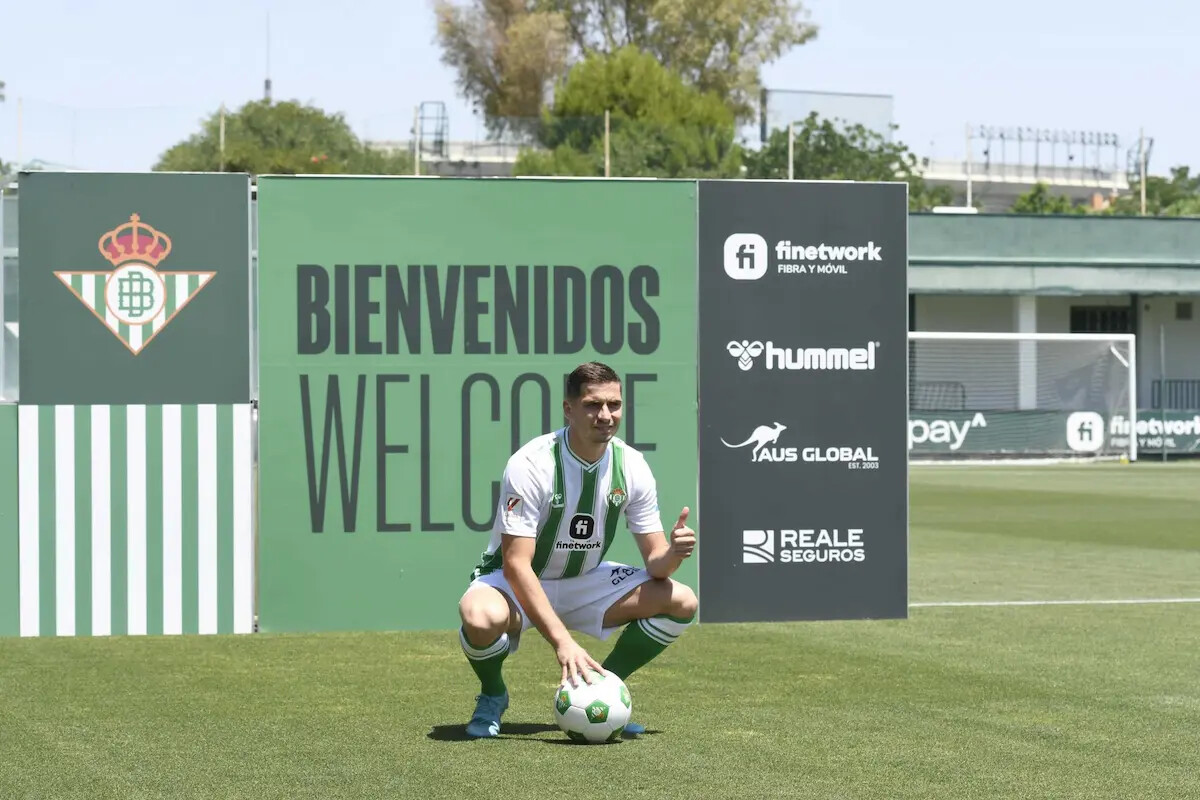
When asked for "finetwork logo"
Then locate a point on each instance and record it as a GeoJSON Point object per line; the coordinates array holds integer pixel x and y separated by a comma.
{"type": "Point", "coordinates": [747, 256]}
{"type": "Point", "coordinates": [581, 528]}
{"type": "Point", "coordinates": [758, 547]}
{"type": "Point", "coordinates": [803, 358]}
{"type": "Point", "coordinates": [1085, 431]}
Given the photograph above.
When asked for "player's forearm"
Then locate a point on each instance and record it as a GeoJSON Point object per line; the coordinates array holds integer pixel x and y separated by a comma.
{"type": "Point", "coordinates": [663, 562]}
{"type": "Point", "coordinates": [533, 600]}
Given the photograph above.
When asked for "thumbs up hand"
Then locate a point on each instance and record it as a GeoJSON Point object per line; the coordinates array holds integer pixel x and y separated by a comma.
{"type": "Point", "coordinates": [683, 538]}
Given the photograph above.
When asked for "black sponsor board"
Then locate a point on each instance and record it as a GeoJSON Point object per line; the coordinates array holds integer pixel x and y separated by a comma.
{"type": "Point", "coordinates": [803, 407]}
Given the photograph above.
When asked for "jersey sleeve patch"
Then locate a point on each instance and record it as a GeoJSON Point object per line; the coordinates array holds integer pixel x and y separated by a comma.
{"type": "Point", "coordinates": [522, 498]}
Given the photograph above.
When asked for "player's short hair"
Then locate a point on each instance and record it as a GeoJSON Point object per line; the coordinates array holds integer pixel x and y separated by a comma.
{"type": "Point", "coordinates": [590, 373]}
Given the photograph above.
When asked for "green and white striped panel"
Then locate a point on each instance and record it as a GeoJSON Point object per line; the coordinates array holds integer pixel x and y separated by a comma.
{"type": "Point", "coordinates": [135, 520]}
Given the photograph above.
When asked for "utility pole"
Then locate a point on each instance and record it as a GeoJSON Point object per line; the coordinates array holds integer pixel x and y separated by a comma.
{"type": "Point", "coordinates": [267, 81]}
{"type": "Point", "coordinates": [1142, 167]}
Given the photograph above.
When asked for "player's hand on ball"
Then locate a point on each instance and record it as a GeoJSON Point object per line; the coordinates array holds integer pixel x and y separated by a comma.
{"type": "Point", "coordinates": [576, 663]}
{"type": "Point", "coordinates": [683, 538]}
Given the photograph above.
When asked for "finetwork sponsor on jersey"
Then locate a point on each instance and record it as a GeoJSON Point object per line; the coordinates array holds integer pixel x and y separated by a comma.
{"type": "Point", "coordinates": [747, 257]}
{"type": "Point", "coordinates": [803, 358]}
{"type": "Point", "coordinates": [803, 546]}
{"type": "Point", "coordinates": [581, 528]}
{"type": "Point", "coordinates": [763, 440]}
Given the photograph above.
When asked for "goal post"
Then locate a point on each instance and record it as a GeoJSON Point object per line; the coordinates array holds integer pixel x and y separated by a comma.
{"type": "Point", "coordinates": [978, 395]}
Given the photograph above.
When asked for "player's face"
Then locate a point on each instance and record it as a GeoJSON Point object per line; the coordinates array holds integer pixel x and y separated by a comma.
{"type": "Point", "coordinates": [596, 414]}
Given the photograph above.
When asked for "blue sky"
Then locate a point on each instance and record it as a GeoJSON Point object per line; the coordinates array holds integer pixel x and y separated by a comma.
{"type": "Point", "coordinates": [110, 85]}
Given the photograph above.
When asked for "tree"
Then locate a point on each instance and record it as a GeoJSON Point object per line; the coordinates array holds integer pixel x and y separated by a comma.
{"type": "Point", "coordinates": [827, 150]}
{"type": "Point", "coordinates": [506, 52]}
{"type": "Point", "coordinates": [1176, 196]}
{"type": "Point", "coordinates": [1039, 200]}
{"type": "Point", "coordinates": [282, 138]}
{"type": "Point", "coordinates": [659, 126]}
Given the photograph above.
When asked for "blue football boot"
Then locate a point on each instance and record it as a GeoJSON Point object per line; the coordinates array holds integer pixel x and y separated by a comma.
{"type": "Point", "coordinates": [485, 722]}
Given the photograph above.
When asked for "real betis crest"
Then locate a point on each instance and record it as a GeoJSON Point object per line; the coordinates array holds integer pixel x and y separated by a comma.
{"type": "Point", "coordinates": [135, 300]}
{"type": "Point", "coordinates": [616, 497]}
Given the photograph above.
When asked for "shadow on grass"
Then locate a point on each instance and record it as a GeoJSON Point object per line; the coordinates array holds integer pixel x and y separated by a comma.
{"type": "Point", "coordinates": [514, 730]}
{"type": "Point", "coordinates": [624, 738]}
{"type": "Point", "coordinates": [508, 730]}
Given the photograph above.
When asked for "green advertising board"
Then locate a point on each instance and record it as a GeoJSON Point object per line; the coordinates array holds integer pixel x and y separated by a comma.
{"type": "Point", "coordinates": [414, 333]}
{"type": "Point", "coordinates": [973, 433]}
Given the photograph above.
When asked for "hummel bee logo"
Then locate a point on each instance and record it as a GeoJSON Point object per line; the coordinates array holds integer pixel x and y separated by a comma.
{"type": "Point", "coordinates": [745, 352]}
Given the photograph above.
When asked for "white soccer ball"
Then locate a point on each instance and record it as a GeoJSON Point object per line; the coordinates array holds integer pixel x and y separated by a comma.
{"type": "Point", "coordinates": [593, 713]}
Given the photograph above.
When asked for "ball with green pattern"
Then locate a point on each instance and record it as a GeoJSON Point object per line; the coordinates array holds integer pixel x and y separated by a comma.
{"type": "Point", "coordinates": [593, 713]}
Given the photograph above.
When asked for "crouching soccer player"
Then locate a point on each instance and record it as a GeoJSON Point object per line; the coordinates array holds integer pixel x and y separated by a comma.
{"type": "Point", "coordinates": [544, 566]}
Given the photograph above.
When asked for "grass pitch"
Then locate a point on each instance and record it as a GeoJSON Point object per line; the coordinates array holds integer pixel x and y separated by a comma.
{"type": "Point", "coordinates": [1032, 701]}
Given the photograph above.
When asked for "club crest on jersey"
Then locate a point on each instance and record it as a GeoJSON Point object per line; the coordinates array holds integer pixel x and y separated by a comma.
{"type": "Point", "coordinates": [616, 498]}
{"type": "Point", "coordinates": [556, 501]}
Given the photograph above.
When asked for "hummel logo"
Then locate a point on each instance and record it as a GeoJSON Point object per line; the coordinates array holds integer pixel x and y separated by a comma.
{"type": "Point", "coordinates": [745, 352]}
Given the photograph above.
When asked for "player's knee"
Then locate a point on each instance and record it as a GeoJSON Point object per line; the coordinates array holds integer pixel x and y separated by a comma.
{"type": "Point", "coordinates": [483, 614]}
{"type": "Point", "coordinates": [683, 602]}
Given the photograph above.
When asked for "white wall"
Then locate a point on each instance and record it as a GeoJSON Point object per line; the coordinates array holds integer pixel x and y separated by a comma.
{"type": "Point", "coordinates": [1180, 337]}
{"type": "Point", "coordinates": [990, 312]}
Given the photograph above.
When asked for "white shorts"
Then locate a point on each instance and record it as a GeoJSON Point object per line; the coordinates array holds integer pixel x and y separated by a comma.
{"type": "Point", "coordinates": [580, 602]}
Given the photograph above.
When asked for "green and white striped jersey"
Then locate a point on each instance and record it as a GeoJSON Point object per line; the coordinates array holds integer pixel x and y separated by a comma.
{"type": "Point", "coordinates": [570, 506]}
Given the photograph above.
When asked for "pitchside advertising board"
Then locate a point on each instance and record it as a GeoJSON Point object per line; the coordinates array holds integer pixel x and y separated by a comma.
{"type": "Point", "coordinates": [415, 333]}
{"type": "Point", "coordinates": [134, 432]}
{"type": "Point", "coordinates": [803, 400]}
{"type": "Point", "coordinates": [963, 433]}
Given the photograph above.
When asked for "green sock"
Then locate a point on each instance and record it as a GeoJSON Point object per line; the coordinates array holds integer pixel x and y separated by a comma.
{"type": "Point", "coordinates": [641, 641]}
{"type": "Point", "coordinates": [486, 661]}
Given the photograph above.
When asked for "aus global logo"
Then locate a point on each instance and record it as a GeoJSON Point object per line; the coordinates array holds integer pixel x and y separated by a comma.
{"type": "Point", "coordinates": [135, 300]}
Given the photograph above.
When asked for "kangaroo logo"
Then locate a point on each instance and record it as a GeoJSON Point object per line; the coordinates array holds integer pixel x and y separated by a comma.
{"type": "Point", "coordinates": [762, 436]}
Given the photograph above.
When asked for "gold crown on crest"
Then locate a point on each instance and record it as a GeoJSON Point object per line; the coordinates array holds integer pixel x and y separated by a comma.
{"type": "Point", "coordinates": [135, 241]}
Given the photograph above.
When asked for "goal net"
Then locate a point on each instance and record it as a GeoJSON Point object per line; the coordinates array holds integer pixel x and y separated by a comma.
{"type": "Point", "coordinates": [1021, 395]}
